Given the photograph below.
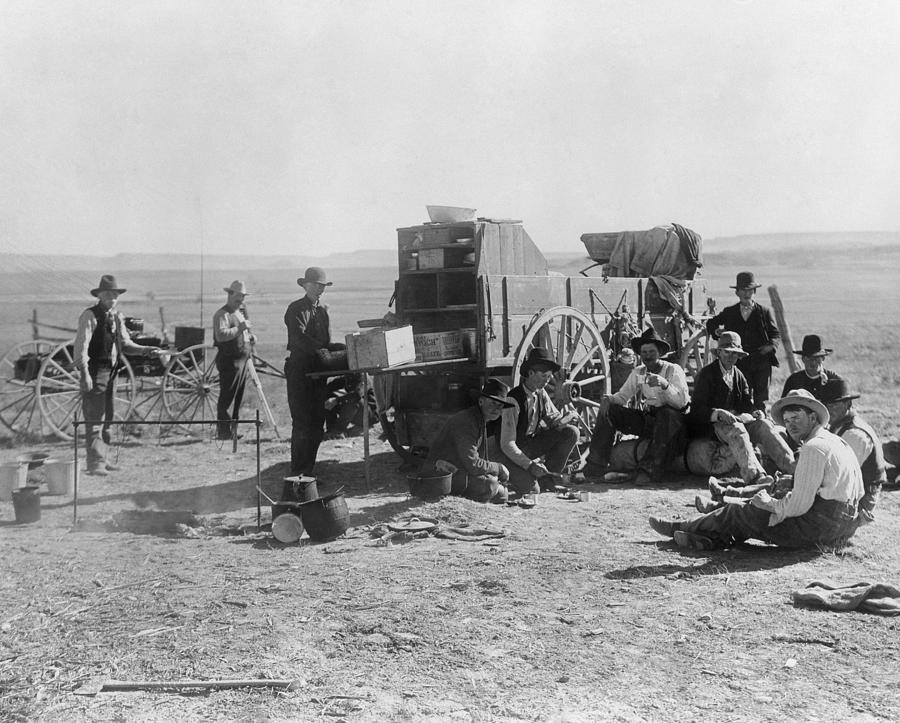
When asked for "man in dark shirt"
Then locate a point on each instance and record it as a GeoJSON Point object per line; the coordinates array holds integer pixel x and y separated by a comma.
{"type": "Point", "coordinates": [814, 376]}
{"type": "Point", "coordinates": [757, 329]}
{"type": "Point", "coordinates": [308, 330]}
{"type": "Point", "coordinates": [722, 408]}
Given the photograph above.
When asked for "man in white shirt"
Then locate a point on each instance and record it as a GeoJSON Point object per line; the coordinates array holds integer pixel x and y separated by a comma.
{"type": "Point", "coordinates": [232, 338]}
{"type": "Point", "coordinates": [863, 440]}
{"type": "Point", "coordinates": [662, 390]}
{"type": "Point", "coordinates": [822, 509]}
{"type": "Point", "coordinates": [535, 438]}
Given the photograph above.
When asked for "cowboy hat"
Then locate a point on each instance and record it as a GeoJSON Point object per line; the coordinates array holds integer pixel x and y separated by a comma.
{"type": "Point", "coordinates": [237, 287]}
{"type": "Point", "coordinates": [800, 398]}
{"type": "Point", "coordinates": [745, 280]}
{"type": "Point", "coordinates": [730, 341]}
{"type": "Point", "coordinates": [107, 283]}
{"type": "Point", "coordinates": [649, 336]}
{"type": "Point", "coordinates": [495, 389]}
{"type": "Point", "coordinates": [812, 346]}
{"type": "Point", "coordinates": [539, 355]}
{"type": "Point", "coordinates": [836, 390]}
{"type": "Point", "coordinates": [316, 275]}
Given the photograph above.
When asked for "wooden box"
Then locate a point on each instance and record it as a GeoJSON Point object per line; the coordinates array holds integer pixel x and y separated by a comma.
{"type": "Point", "coordinates": [439, 345]}
{"type": "Point", "coordinates": [431, 259]}
{"type": "Point", "coordinates": [380, 348]}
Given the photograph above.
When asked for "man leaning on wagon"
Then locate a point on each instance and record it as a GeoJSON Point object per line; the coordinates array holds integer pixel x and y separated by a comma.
{"type": "Point", "coordinates": [821, 509]}
{"type": "Point", "coordinates": [535, 439]}
{"type": "Point", "coordinates": [663, 391]}
{"type": "Point", "coordinates": [722, 407]}
{"type": "Point", "coordinates": [756, 326]}
{"type": "Point", "coordinates": [100, 342]}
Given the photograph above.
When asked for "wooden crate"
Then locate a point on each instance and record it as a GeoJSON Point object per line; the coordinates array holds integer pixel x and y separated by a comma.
{"type": "Point", "coordinates": [380, 348]}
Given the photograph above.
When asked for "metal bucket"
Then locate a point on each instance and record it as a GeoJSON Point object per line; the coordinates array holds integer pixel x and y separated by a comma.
{"type": "Point", "coordinates": [27, 504]}
{"type": "Point", "coordinates": [430, 487]}
{"type": "Point", "coordinates": [12, 476]}
{"type": "Point", "coordinates": [325, 518]}
{"type": "Point", "coordinates": [60, 476]}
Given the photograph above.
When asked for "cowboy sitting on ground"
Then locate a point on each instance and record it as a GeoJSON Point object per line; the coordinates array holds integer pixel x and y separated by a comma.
{"type": "Point", "coordinates": [458, 448]}
{"type": "Point", "coordinates": [722, 407]}
{"type": "Point", "coordinates": [534, 429]}
{"type": "Point", "coordinates": [821, 509]}
{"type": "Point", "coordinates": [855, 431]}
{"type": "Point", "coordinates": [662, 388]}
{"type": "Point", "coordinates": [814, 376]}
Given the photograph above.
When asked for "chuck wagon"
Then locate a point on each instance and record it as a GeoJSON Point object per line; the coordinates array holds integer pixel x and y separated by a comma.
{"type": "Point", "coordinates": [479, 295]}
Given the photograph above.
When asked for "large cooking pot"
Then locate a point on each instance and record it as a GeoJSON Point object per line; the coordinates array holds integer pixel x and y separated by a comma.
{"type": "Point", "coordinates": [430, 486]}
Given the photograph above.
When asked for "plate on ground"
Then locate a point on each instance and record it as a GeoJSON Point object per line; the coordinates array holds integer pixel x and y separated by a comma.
{"type": "Point", "coordinates": [411, 526]}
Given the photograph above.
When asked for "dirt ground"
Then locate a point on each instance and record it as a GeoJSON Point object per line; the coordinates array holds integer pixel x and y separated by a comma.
{"type": "Point", "coordinates": [579, 612]}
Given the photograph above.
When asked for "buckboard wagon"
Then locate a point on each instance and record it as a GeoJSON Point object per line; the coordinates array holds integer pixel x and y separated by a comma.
{"type": "Point", "coordinates": [480, 294]}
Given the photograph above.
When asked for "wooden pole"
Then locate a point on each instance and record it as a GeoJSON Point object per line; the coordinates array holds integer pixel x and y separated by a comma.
{"type": "Point", "coordinates": [786, 341]}
{"type": "Point", "coordinates": [365, 421]}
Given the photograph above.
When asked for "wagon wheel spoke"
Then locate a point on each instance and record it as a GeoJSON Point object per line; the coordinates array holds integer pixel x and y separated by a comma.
{"type": "Point", "coordinates": [19, 409]}
{"type": "Point", "coordinates": [190, 383]}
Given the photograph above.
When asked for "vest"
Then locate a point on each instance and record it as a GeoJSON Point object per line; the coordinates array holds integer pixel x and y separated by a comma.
{"type": "Point", "coordinates": [874, 471]}
{"type": "Point", "coordinates": [232, 348]}
{"type": "Point", "coordinates": [518, 393]}
{"type": "Point", "coordinates": [104, 337]}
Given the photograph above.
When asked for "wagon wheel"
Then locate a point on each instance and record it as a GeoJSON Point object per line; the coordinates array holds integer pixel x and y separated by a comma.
{"type": "Point", "coordinates": [59, 390]}
{"type": "Point", "coordinates": [19, 369]}
{"type": "Point", "coordinates": [576, 344]}
{"type": "Point", "coordinates": [190, 385]}
{"type": "Point", "coordinates": [695, 355]}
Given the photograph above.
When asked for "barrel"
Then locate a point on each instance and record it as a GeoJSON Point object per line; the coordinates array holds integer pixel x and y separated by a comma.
{"type": "Point", "coordinates": [326, 517]}
{"type": "Point", "coordinates": [186, 336]}
{"type": "Point", "coordinates": [27, 504]}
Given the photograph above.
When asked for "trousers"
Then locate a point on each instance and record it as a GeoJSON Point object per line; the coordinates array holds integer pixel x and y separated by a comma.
{"type": "Point", "coordinates": [98, 407]}
{"type": "Point", "coordinates": [554, 445]}
{"type": "Point", "coordinates": [306, 400]}
{"type": "Point", "coordinates": [232, 380]}
{"type": "Point", "coordinates": [758, 376]}
{"type": "Point", "coordinates": [663, 426]}
{"type": "Point", "coordinates": [827, 523]}
{"type": "Point", "coordinates": [740, 439]}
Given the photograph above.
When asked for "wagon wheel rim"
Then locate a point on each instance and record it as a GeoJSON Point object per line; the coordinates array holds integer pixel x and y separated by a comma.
{"type": "Point", "coordinates": [19, 409]}
{"type": "Point", "coordinates": [59, 391]}
{"type": "Point", "coordinates": [190, 384]}
{"type": "Point", "coordinates": [583, 379]}
{"type": "Point", "coordinates": [695, 355]}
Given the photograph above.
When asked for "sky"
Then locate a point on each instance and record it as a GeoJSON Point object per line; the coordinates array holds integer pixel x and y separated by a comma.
{"type": "Point", "coordinates": [276, 127]}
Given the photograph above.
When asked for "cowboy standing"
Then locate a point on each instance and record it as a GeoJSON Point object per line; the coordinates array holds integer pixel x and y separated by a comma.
{"type": "Point", "coordinates": [821, 509]}
{"type": "Point", "coordinates": [663, 391]}
{"type": "Point", "coordinates": [722, 407]}
{"type": "Point", "coordinates": [461, 448]}
{"type": "Point", "coordinates": [756, 327]}
{"type": "Point", "coordinates": [855, 431]}
{"type": "Point", "coordinates": [534, 429]}
{"type": "Point", "coordinates": [100, 342]}
{"type": "Point", "coordinates": [814, 376]}
{"type": "Point", "coordinates": [308, 330]}
{"type": "Point", "coordinates": [232, 338]}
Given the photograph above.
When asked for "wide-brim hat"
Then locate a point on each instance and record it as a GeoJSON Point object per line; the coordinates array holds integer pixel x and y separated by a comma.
{"type": "Point", "coordinates": [316, 275]}
{"type": "Point", "coordinates": [812, 346]}
{"type": "Point", "coordinates": [745, 280]}
{"type": "Point", "coordinates": [800, 398]}
{"type": "Point", "coordinates": [650, 336]}
{"type": "Point", "coordinates": [495, 389]}
{"type": "Point", "coordinates": [539, 355]}
{"type": "Point", "coordinates": [237, 287]}
{"type": "Point", "coordinates": [730, 341]}
{"type": "Point", "coordinates": [107, 283]}
{"type": "Point", "coordinates": [836, 390]}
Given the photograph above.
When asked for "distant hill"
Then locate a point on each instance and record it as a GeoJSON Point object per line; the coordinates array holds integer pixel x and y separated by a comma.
{"type": "Point", "coordinates": [732, 249]}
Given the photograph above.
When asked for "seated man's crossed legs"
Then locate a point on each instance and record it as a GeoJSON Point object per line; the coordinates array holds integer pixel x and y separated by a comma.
{"type": "Point", "coordinates": [663, 426]}
{"type": "Point", "coordinates": [554, 446]}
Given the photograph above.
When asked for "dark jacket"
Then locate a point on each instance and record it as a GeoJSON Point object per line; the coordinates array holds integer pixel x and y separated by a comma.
{"type": "Point", "coordinates": [759, 329]}
{"type": "Point", "coordinates": [308, 327]}
{"type": "Point", "coordinates": [815, 386]}
{"type": "Point", "coordinates": [462, 442]}
{"type": "Point", "coordinates": [711, 392]}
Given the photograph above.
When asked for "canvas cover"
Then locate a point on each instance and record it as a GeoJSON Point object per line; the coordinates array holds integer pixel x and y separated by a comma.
{"type": "Point", "coordinates": [666, 250]}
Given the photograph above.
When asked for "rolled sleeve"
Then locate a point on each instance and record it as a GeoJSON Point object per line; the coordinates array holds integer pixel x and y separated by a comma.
{"type": "Point", "coordinates": [87, 323]}
{"type": "Point", "coordinates": [808, 478]}
{"type": "Point", "coordinates": [508, 445]}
